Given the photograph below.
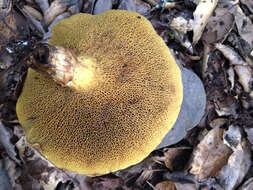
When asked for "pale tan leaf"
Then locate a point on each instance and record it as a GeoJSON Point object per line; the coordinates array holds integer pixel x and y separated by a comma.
{"type": "Point", "coordinates": [201, 14]}
{"type": "Point", "coordinates": [210, 155]}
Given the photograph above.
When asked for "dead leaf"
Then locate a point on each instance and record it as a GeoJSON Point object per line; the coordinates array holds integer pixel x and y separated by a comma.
{"type": "Point", "coordinates": [244, 26]}
{"type": "Point", "coordinates": [57, 8]}
{"type": "Point", "coordinates": [43, 4]}
{"type": "Point", "coordinates": [238, 165]}
{"type": "Point", "coordinates": [201, 14]}
{"type": "Point", "coordinates": [231, 77]}
{"type": "Point", "coordinates": [185, 186]}
{"type": "Point", "coordinates": [176, 156]}
{"type": "Point", "coordinates": [166, 185]}
{"type": "Point", "coordinates": [219, 122]}
{"type": "Point", "coordinates": [127, 5]}
{"type": "Point", "coordinates": [245, 76]}
{"type": "Point", "coordinates": [230, 54]}
{"type": "Point", "coordinates": [218, 26]}
{"type": "Point", "coordinates": [102, 6]}
{"type": "Point", "coordinates": [210, 155]}
{"type": "Point", "coordinates": [226, 105]}
{"type": "Point", "coordinates": [33, 12]}
{"type": "Point", "coordinates": [41, 170]}
{"type": "Point", "coordinates": [142, 7]}
{"type": "Point", "coordinates": [108, 183]}
{"type": "Point", "coordinates": [247, 185]}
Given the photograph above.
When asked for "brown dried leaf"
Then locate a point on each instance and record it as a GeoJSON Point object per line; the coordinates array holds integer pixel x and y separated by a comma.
{"type": "Point", "coordinates": [238, 163]}
{"type": "Point", "coordinates": [219, 122]}
{"type": "Point", "coordinates": [7, 29]}
{"type": "Point", "coordinates": [218, 26]}
{"type": "Point", "coordinates": [210, 155]}
{"type": "Point", "coordinates": [201, 15]}
{"type": "Point", "coordinates": [166, 185]}
{"type": "Point", "coordinates": [57, 8]}
{"type": "Point", "coordinates": [175, 157]}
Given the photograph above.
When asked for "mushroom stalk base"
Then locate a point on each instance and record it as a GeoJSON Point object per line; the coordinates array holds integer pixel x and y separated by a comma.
{"type": "Point", "coordinates": [62, 65]}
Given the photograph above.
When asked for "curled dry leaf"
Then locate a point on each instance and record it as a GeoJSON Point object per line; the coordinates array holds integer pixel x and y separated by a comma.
{"type": "Point", "coordinates": [219, 25]}
{"type": "Point", "coordinates": [210, 155]}
{"type": "Point", "coordinates": [57, 19]}
{"type": "Point", "coordinates": [57, 8]}
{"type": "Point", "coordinates": [237, 167]}
{"type": "Point", "coordinates": [33, 12]}
{"type": "Point", "coordinates": [166, 185]}
{"type": "Point", "coordinates": [219, 122]}
{"type": "Point", "coordinates": [244, 26]}
{"type": "Point", "coordinates": [230, 54]}
{"type": "Point", "coordinates": [247, 185]}
{"type": "Point", "coordinates": [43, 4]}
{"type": "Point", "coordinates": [245, 76]}
{"type": "Point", "coordinates": [176, 156]}
{"type": "Point", "coordinates": [201, 14]}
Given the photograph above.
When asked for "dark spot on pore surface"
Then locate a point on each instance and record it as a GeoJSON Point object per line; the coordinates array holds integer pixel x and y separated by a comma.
{"type": "Point", "coordinates": [134, 101]}
{"type": "Point", "coordinates": [138, 17]}
{"type": "Point", "coordinates": [31, 118]}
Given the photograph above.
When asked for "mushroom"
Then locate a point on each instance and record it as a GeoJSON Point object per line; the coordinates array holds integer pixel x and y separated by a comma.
{"type": "Point", "coordinates": [111, 93]}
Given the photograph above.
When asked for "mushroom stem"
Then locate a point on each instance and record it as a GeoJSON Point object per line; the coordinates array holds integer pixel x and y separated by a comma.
{"type": "Point", "coordinates": [56, 61]}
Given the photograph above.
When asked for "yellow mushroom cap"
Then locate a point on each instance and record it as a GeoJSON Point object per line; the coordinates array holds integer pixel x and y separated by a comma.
{"type": "Point", "coordinates": [127, 95]}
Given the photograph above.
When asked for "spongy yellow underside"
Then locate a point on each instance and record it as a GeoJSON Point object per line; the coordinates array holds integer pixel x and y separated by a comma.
{"type": "Point", "coordinates": [125, 116]}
